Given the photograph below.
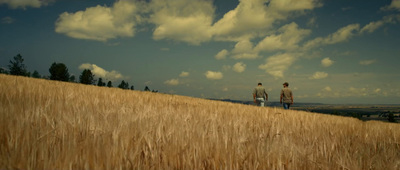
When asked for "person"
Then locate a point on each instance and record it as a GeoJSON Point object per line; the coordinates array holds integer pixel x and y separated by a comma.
{"type": "Point", "coordinates": [260, 95]}
{"type": "Point", "coordinates": [286, 96]}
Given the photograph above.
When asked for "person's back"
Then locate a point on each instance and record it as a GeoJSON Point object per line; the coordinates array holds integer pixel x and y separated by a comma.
{"type": "Point", "coordinates": [259, 91]}
{"type": "Point", "coordinates": [260, 95]}
{"type": "Point", "coordinates": [286, 96]}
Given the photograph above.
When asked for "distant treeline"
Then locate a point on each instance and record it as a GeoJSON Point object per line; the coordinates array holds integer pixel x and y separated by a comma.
{"type": "Point", "coordinates": [59, 72]}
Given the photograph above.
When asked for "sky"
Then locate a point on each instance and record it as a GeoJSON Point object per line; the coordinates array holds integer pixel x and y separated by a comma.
{"type": "Point", "coordinates": [332, 52]}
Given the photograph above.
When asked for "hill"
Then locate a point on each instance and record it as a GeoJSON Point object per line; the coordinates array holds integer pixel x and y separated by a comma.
{"type": "Point", "coordinates": [56, 125]}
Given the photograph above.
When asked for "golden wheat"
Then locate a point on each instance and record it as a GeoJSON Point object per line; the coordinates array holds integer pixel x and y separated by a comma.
{"type": "Point", "coordinates": [57, 125]}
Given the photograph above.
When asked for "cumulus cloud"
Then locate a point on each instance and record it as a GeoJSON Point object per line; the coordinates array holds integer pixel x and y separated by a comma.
{"type": "Point", "coordinates": [247, 19]}
{"type": "Point", "coordinates": [193, 22]}
{"type": "Point", "coordinates": [294, 5]}
{"type": "Point", "coordinates": [395, 5]}
{"type": "Point", "coordinates": [342, 35]}
{"type": "Point", "coordinates": [253, 17]}
{"type": "Point", "coordinates": [164, 49]}
{"type": "Point", "coordinates": [226, 67]}
{"type": "Point", "coordinates": [244, 50]}
{"type": "Point", "coordinates": [288, 38]}
{"type": "Point", "coordinates": [14, 4]}
{"type": "Point", "coordinates": [373, 26]}
{"type": "Point", "coordinates": [327, 88]}
{"type": "Point", "coordinates": [100, 72]}
{"type": "Point", "coordinates": [182, 20]}
{"type": "Point", "coordinates": [7, 20]}
{"type": "Point", "coordinates": [367, 62]}
{"type": "Point", "coordinates": [276, 65]}
{"type": "Point", "coordinates": [172, 82]}
{"type": "Point", "coordinates": [357, 91]}
{"type": "Point", "coordinates": [326, 62]}
{"type": "Point", "coordinates": [319, 75]}
{"type": "Point", "coordinates": [222, 54]}
{"type": "Point", "coordinates": [184, 74]}
{"type": "Point", "coordinates": [214, 75]}
{"type": "Point", "coordinates": [239, 67]}
{"type": "Point", "coordinates": [99, 23]}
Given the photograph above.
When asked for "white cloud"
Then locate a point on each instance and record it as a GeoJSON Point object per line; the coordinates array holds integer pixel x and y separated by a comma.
{"type": "Point", "coordinates": [327, 88]}
{"type": "Point", "coordinates": [276, 65]}
{"type": "Point", "coordinates": [184, 74]}
{"type": "Point", "coordinates": [192, 22]}
{"type": "Point", "coordinates": [222, 54]}
{"type": "Point", "coordinates": [239, 67]}
{"type": "Point", "coordinates": [319, 75]}
{"type": "Point", "coordinates": [288, 39]}
{"type": "Point", "coordinates": [373, 26]}
{"type": "Point", "coordinates": [244, 50]}
{"type": "Point", "coordinates": [100, 72]}
{"type": "Point", "coordinates": [343, 34]}
{"type": "Point", "coordinates": [326, 62]}
{"type": "Point", "coordinates": [395, 5]}
{"type": "Point", "coordinates": [247, 19]}
{"type": "Point", "coordinates": [357, 92]}
{"type": "Point", "coordinates": [172, 82]}
{"type": "Point", "coordinates": [226, 67]}
{"type": "Point", "coordinates": [312, 22]}
{"type": "Point", "coordinates": [213, 75]}
{"type": "Point", "coordinates": [182, 20]}
{"type": "Point", "coordinates": [7, 20]}
{"type": "Point", "coordinates": [99, 23]}
{"type": "Point", "coordinates": [367, 62]}
{"type": "Point", "coordinates": [294, 5]}
{"type": "Point", "coordinates": [253, 17]}
{"type": "Point", "coordinates": [327, 92]}
{"type": "Point", "coordinates": [164, 49]}
{"type": "Point", "coordinates": [14, 4]}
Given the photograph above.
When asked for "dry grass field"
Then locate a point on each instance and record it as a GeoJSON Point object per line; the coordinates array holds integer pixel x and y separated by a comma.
{"type": "Point", "coordinates": [57, 125]}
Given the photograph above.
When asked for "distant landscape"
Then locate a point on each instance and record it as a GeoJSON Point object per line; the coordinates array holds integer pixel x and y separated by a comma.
{"type": "Point", "coordinates": [364, 112]}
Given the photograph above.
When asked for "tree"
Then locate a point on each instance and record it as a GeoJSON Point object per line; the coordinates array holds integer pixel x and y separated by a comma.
{"type": "Point", "coordinates": [17, 67]}
{"type": "Point", "coordinates": [86, 77]}
{"type": "Point", "coordinates": [36, 74]}
{"type": "Point", "coordinates": [3, 71]}
{"type": "Point", "coordinates": [109, 84]}
{"type": "Point", "coordinates": [132, 87]}
{"type": "Point", "coordinates": [72, 78]}
{"type": "Point", "coordinates": [100, 82]}
{"type": "Point", "coordinates": [391, 117]}
{"type": "Point", "coordinates": [123, 85]}
{"type": "Point", "coordinates": [147, 89]}
{"type": "Point", "coordinates": [59, 71]}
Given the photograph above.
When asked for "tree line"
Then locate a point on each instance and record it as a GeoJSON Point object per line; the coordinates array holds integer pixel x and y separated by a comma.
{"type": "Point", "coordinates": [59, 72]}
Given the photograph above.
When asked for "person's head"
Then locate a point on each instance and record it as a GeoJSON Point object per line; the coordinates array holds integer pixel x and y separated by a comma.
{"type": "Point", "coordinates": [286, 84]}
{"type": "Point", "coordinates": [260, 84]}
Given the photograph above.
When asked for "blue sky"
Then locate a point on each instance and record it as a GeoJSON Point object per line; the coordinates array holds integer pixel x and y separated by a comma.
{"type": "Point", "coordinates": [338, 52]}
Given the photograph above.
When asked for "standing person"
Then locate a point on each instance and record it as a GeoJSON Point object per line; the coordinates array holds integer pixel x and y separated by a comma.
{"type": "Point", "coordinates": [260, 95]}
{"type": "Point", "coordinates": [286, 95]}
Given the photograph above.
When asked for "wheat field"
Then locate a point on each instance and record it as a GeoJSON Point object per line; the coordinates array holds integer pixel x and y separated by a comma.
{"type": "Point", "coordinates": [56, 125]}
